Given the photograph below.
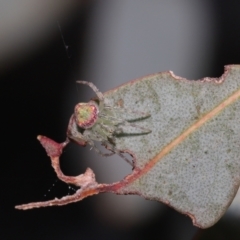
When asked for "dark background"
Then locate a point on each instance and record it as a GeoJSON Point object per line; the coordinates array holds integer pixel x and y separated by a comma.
{"type": "Point", "coordinates": [32, 101]}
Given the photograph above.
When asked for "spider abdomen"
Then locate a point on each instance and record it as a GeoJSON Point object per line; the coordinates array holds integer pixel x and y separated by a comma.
{"type": "Point", "coordinates": [86, 114]}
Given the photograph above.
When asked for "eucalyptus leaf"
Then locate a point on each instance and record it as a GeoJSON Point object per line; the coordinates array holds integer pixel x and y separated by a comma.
{"type": "Point", "coordinates": [190, 159]}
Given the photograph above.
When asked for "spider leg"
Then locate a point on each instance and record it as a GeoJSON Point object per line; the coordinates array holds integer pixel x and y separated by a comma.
{"type": "Point", "coordinates": [124, 110]}
{"type": "Point", "coordinates": [146, 130]}
{"type": "Point", "coordinates": [119, 121]}
{"type": "Point", "coordinates": [108, 129]}
{"type": "Point", "coordinates": [74, 134]}
{"type": "Point", "coordinates": [111, 148]}
{"type": "Point", "coordinates": [94, 88]}
{"type": "Point", "coordinates": [115, 150]}
{"type": "Point", "coordinates": [120, 154]}
{"type": "Point", "coordinates": [101, 153]}
{"type": "Point", "coordinates": [92, 146]}
{"type": "Point", "coordinates": [124, 158]}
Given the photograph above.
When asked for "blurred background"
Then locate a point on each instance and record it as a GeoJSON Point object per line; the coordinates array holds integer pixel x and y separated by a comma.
{"type": "Point", "coordinates": [45, 47]}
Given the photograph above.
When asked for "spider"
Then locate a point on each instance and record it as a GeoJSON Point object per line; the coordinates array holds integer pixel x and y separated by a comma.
{"type": "Point", "coordinates": [98, 121]}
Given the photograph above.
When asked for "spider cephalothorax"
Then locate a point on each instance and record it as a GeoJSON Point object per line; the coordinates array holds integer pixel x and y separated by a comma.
{"type": "Point", "coordinates": [97, 121]}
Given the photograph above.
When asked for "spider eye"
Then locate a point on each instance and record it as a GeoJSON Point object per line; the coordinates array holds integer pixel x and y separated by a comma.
{"type": "Point", "coordinates": [86, 114]}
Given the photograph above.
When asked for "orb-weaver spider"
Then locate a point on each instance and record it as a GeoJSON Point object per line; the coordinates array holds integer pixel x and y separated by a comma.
{"type": "Point", "coordinates": [98, 121]}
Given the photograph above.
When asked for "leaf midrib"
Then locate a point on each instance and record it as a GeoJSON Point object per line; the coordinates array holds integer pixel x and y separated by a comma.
{"type": "Point", "coordinates": [137, 173]}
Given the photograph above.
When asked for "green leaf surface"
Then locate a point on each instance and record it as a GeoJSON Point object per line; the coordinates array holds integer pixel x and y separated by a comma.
{"type": "Point", "coordinates": [189, 160]}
